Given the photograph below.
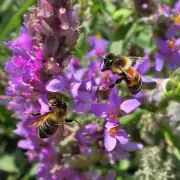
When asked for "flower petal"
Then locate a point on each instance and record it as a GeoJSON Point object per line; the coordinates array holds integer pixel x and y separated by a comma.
{"type": "Point", "coordinates": [130, 105]}
{"type": "Point", "coordinates": [122, 137]}
{"type": "Point", "coordinates": [159, 62]}
{"type": "Point", "coordinates": [81, 107]}
{"type": "Point", "coordinates": [43, 101]}
{"type": "Point", "coordinates": [109, 141]}
{"type": "Point", "coordinates": [143, 67]}
{"type": "Point", "coordinates": [131, 146]}
{"type": "Point", "coordinates": [147, 79]}
{"type": "Point", "coordinates": [100, 110]}
{"type": "Point", "coordinates": [56, 84]}
{"type": "Point", "coordinates": [110, 123]}
{"type": "Point", "coordinates": [114, 99]}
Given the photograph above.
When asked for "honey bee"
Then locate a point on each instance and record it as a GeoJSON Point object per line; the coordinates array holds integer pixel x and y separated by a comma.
{"type": "Point", "coordinates": [50, 122]}
{"type": "Point", "coordinates": [122, 65]}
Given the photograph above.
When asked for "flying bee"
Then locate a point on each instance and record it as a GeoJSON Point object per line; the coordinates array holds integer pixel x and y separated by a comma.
{"type": "Point", "coordinates": [50, 122]}
{"type": "Point", "coordinates": [122, 65]}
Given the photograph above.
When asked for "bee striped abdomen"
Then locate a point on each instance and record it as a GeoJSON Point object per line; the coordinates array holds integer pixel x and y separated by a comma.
{"type": "Point", "coordinates": [135, 83]}
{"type": "Point", "coordinates": [48, 128]}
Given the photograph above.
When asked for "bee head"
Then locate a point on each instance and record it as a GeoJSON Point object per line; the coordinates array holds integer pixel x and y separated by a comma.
{"type": "Point", "coordinates": [108, 61]}
{"type": "Point", "coordinates": [54, 103]}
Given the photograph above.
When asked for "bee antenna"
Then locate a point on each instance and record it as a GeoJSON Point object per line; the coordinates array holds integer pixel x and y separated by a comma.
{"type": "Point", "coordinates": [100, 57]}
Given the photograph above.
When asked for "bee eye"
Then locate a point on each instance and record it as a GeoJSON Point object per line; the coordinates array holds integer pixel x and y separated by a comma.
{"type": "Point", "coordinates": [109, 63]}
{"type": "Point", "coordinates": [55, 104]}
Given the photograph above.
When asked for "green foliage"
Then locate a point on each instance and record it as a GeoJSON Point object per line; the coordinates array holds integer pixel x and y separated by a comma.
{"type": "Point", "coordinates": [153, 166]}
{"type": "Point", "coordinates": [172, 86]}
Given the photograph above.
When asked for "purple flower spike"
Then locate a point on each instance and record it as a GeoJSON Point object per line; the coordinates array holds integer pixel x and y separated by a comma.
{"type": "Point", "coordinates": [55, 26]}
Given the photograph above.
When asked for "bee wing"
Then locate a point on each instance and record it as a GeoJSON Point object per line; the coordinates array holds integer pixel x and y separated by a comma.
{"type": "Point", "coordinates": [135, 59]}
{"type": "Point", "coordinates": [40, 120]}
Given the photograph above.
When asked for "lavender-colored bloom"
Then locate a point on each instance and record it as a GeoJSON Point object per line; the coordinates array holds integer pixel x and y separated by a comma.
{"type": "Point", "coordinates": [60, 84]}
{"type": "Point", "coordinates": [113, 134]}
{"type": "Point", "coordinates": [115, 106]}
{"type": "Point", "coordinates": [84, 97]}
{"type": "Point", "coordinates": [88, 130]}
{"type": "Point", "coordinates": [169, 52]}
{"type": "Point", "coordinates": [99, 46]}
{"type": "Point", "coordinates": [122, 151]}
{"type": "Point", "coordinates": [36, 71]}
{"type": "Point", "coordinates": [169, 48]}
{"type": "Point", "coordinates": [54, 30]}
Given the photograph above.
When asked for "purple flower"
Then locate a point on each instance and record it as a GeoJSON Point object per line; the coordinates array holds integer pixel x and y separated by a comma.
{"type": "Point", "coordinates": [99, 46]}
{"type": "Point", "coordinates": [122, 151]}
{"type": "Point", "coordinates": [59, 84]}
{"type": "Point", "coordinates": [169, 47]}
{"type": "Point", "coordinates": [115, 106]}
{"type": "Point", "coordinates": [169, 52]}
{"type": "Point", "coordinates": [113, 134]}
{"type": "Point", "coordinates": [40, 53]}
{"type": "Point", "coordinates": [88, 130]}
{"type": "Point", "coordinates": [84, 97]}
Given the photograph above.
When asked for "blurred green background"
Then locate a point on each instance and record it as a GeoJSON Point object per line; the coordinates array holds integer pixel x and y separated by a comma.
{"type": "Point", "coordinates": [109, 16]}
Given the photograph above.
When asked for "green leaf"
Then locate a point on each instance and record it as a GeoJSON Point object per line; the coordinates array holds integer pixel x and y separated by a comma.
{"type": "Point", "coordinates": [121, 32]}
{"type": "Point", "coordinates": [82, 46]}
{"type": "Point", "coordinates": [124, 164]}
{"type": "Point", "coordinates": [15, 19]}
{"type": "Point", "coordinates": [116, 47]}
{"type": "Point", "coordinates": [7, 163]}
{"type": "Point", "coordinates": [121, 13]}
{"type": "Point", "coordinates": [171, 139]}
{"type": "Point", "coordinates": [132, 117]}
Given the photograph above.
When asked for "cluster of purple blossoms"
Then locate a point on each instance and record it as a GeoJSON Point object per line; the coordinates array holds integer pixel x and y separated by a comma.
{"type": "Point", "coordinates": [37, 69]}
{"type": "Point", "coordinates": [28, 88]}
{"type": "Point", "coordinates": [169, 47]}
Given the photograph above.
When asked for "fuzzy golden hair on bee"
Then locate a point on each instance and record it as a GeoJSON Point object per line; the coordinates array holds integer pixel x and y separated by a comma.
{"type": "Point", "coordinates": [122, 61]}
{"type": "Point", "coordinates": [53, 121]}
{"type": "Point", "coordinates": [122, 66]}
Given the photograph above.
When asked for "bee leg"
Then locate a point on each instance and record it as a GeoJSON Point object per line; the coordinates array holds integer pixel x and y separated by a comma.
{"type": "Point", "coordinates": [71, 120]}
{"type": "Point", "coordinates": [36, 114]}
{"type": "Point", "coordinates": [118, 81]}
